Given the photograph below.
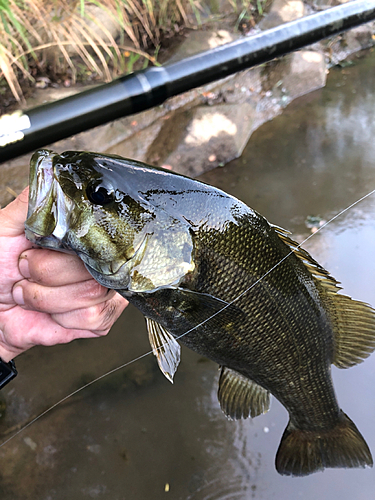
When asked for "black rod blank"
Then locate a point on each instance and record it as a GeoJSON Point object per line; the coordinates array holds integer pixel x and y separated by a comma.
{"type": "Point", "coordinates": [22, 133]}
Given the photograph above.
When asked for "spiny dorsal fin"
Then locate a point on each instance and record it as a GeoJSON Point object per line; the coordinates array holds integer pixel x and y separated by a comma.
{"type": "Point", "coordinates": [353, 322]}
{"type": "Point", "coordinates": [311, 264]}
{"type": "Point", "coordinates": [240, 397]}
{"type": "Point", "coordinates": [165, 348]}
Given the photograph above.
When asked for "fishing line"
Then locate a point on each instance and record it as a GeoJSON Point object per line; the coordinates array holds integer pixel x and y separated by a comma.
{"type": "Point", "coordinates": [275, 266]}
{"type": "Point", "coordinates": [191, 329]}
{"type": "Point", "coordinates": [72, 394]}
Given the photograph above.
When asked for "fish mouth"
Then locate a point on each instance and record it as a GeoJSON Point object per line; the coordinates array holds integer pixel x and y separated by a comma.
{"type": "Point", "coordinates": [102, 274]}
{"type": "Point", "coordinates": [110, 275]}
{"type": "Point", "coordinates": [49, 208]}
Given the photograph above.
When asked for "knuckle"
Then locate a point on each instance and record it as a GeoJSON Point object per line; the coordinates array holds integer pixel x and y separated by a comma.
{"type": "Point", "coordinates": [109, 314]}
{"type": "Point", "coordinates": [101, 316]}
{"type": "Point", "coordinates": [94, 291]}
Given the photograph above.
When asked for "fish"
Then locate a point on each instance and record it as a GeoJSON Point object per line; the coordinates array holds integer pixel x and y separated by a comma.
{"type": "Point", "coordinates": [209, 272]}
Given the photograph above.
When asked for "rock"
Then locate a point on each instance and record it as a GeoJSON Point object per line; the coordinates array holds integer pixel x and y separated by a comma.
{"type": "Point", "coordinates": [138, 144]}
{"type": "Point", "coordinates": [208, 126]}
{"type": "Point", "coordinates": [350, 42]}
{"type": "Point", "coordinates": [214, 136]}
{"type": "Point", "coordinates": [325, 4]}
{"type": "Point", "coordinates": [296, 74]}
{"type": "Point", "coordinates": [282, 11]}
{"type": "Point", "coordinates": [199, 41]}
{"type": "Point", "coordinates": [14, 177]}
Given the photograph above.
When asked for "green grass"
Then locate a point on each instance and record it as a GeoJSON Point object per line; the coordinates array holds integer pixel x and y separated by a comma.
{"type": "Point", "coordinates": [64, 36]}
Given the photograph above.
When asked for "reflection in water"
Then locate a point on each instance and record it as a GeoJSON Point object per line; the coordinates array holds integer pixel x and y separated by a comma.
{"type": "Point", "coordinates": [133, 433]}
{"type": "Point", "coordinates": [322, 159]}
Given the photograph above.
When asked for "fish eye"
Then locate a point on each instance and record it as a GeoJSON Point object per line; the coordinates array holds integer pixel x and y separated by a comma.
{"type": "Point", "coordinates": [99, 195]}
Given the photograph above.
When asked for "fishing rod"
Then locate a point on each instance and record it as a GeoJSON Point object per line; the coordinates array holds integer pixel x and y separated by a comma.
{"type": "Point", "coordinates": [24, 131]}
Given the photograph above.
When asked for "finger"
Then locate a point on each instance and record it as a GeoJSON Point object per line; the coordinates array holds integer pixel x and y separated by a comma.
{"type": "Point", "coordinates": [30, 328]}
{"type": "Point", "coordinates": [51, 268]}
{"type": "Point", "coordinates": [62, 298]}
{"type": "Point", "coordinates": [98, 319]}
{"type": "Point", "coordinates": [13, 216]}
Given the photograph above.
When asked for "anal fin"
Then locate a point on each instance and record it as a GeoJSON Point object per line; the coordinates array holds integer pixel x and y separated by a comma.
{"type": "Point", "coordinates": [240, 397]}
{"type": "Point", "coordinates": [165, 348]}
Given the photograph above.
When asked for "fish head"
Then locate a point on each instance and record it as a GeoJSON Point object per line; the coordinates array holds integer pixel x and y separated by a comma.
{"type": "Point", "coordinates": [84, 203]}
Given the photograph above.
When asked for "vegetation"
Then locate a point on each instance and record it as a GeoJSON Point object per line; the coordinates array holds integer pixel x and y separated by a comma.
{"type": "Point", "coordinates": [70, 37]}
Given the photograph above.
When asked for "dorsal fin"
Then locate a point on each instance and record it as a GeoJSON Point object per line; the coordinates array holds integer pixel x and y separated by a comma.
{"type": "Point", "coordinates": [311, 264]}
{"type": "Point", "coordinates": [353, 322]}
{"type": "Point", "coordinates": [165, 348]}
{"type": "Point", "coordinates": [240, 397]}
{"type": "Point", "coordinates": [354, 327]}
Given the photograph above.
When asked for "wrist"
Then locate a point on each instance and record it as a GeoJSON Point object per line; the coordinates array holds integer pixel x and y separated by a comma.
{"type": "Point", "coordinates": [7, 354]}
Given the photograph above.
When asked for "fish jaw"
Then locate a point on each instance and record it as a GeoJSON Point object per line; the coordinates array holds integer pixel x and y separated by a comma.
{"type": "Point", "coordinates": [110, 277]}
{"type": "Point", "coordinates": [41, 178]}
{"type": "Point", "coordinates": [151, 267]}
{"type": "Point", "coordinates": [49, 208]}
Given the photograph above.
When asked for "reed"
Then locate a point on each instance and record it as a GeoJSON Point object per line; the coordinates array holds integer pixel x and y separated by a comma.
{"type": "Point", "coordinates": [62, 36]}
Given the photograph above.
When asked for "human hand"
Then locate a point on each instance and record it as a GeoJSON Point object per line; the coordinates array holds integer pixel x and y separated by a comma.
{"type": "Point", "coordinates": [46, 297]}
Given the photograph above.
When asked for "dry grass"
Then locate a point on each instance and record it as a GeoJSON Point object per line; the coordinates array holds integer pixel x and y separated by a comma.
{"type": "Point", "coordinates": [68, 35]}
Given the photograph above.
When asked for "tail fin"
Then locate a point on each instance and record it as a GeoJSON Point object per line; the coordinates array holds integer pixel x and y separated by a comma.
{"type": "Point", "coordinates": [303, 452]}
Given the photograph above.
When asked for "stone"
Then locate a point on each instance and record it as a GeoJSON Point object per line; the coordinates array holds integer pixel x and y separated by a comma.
{"type": "Point", "coordinates": [352, 41]}
{"type": "Point", "coordinates": [325, 4]}
{"type": "Point", "coordinates": [210, 125]}
{"type": "Point", "coordinates": [282, 11]}
{"type": "Point", "coordinates": [199, 41]}
{"type": "Point", "coordinates": [136, 147]}
{"type": "Point", "coordinates": [296, 74]}
{"type": "Point", "coordinates": [14, 177]}
{"type": "Point", "coordinates": [214, 136]}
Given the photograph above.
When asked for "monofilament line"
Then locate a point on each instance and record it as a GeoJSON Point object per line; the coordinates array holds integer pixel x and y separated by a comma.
{"type": "Point", "coordinates": [191, 329]}
{"type": "Point", "coordinates": [73, 394]}
{"type": "Point", "coordinates": [276, 265]}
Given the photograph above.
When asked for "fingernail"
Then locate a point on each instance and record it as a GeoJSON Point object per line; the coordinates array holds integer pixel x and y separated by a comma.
{"type": "Point", "coordinates": [23, 265]}
{"type": "Point", "coordinates": [18, 295]}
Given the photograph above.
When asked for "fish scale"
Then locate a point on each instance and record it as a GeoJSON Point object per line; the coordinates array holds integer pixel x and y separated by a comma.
{"type": "Point", "coordinates": [211, 273]}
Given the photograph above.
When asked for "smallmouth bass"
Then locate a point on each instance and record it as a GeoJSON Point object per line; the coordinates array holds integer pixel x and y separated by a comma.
{"type": "Point", "coordinates": [212, 273]}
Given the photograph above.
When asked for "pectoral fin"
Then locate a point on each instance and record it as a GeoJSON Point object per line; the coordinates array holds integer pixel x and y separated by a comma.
{"type": "Point", "coordinates": [164, 347]}
{"type": "Point", "coordinates": [240, 397]}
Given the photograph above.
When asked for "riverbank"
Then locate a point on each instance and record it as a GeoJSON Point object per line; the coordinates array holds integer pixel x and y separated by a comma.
{"type": "Point", "coordinates": [209, 126]}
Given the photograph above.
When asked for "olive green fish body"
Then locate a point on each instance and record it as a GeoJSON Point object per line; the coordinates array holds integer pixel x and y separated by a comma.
{"type": "Point", "coordinates": [213, 274]}
{"type": "Point", "coordinates": [268, 334]}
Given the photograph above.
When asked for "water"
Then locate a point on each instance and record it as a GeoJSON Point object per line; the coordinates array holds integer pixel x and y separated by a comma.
{"type": "Point", "coordinates": [134, 435]}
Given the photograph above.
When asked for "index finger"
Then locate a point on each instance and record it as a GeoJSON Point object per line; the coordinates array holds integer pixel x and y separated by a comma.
{"type": "Point", "coordinates": [52, 268]}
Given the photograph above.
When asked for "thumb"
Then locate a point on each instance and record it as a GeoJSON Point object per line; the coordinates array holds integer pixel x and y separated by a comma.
{"type": "Point", "coordinates": [13, 216]}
